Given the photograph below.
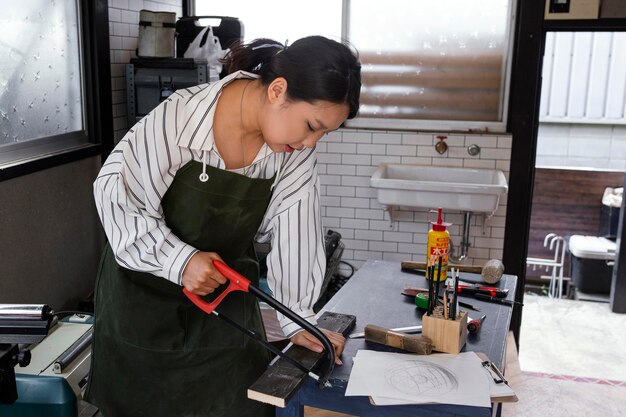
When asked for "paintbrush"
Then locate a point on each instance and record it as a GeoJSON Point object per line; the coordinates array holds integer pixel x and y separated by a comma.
{"type": "Point", "coordinates": [456, 291]}
{"type": "Point", "coordinates": [439, 262]}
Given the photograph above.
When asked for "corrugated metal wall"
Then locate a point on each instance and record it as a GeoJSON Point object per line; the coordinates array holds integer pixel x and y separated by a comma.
{"type": "Point", "coordinates": [584, 78]}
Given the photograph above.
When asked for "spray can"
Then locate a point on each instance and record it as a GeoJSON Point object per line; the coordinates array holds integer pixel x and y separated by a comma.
{"type": "Point", "coordinates": [438, 246]}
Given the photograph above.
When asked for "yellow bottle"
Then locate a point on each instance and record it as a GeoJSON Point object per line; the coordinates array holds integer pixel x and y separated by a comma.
{"type": "Point", "coordinates": [438, 246]}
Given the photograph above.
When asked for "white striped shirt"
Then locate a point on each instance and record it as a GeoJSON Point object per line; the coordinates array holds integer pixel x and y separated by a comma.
{"type": "Point", "coordinates": [135, 177]}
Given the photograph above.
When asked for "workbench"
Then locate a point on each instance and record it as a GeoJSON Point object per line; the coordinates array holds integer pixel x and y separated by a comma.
{"type": "Point", "coordinates": [374, 296]}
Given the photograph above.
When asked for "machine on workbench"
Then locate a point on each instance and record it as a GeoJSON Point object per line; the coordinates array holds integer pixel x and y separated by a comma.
{"type": "Point", "coordinates": [53, 355]}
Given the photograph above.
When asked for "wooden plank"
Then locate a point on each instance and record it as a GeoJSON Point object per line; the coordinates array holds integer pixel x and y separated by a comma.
{"type": "Point", "coordinates": [282, 380]}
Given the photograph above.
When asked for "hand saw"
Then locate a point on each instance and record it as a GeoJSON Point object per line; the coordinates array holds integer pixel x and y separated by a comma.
{"type": "Point", "coordinates": [238, 282]}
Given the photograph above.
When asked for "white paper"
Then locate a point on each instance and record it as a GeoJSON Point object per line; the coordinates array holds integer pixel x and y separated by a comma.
{"type": "Point", "coordinates": [495, 390]}
{"type": "Point", "coordinates": [396, 378]}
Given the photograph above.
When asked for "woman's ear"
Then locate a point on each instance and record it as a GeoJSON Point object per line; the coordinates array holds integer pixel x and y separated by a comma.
{"type": "Point", "coordinates": [277, 90]}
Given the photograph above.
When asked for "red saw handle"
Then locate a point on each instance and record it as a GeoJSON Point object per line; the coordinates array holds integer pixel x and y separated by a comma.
{"type": "Point", "coordinates": [237, 283]}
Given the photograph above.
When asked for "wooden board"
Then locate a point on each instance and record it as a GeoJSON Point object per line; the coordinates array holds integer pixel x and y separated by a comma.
{"type": "Point", "coordinates": [282, 379]}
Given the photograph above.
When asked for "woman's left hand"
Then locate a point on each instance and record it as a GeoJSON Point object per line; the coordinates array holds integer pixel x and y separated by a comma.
{"type": "Point", "coordinates": [307, 340]}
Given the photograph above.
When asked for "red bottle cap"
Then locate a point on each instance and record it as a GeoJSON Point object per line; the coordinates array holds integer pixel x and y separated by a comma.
{"type": "Point", "coordinates": [440, 225]}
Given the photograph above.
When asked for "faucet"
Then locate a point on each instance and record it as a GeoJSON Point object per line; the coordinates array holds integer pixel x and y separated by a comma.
{"type": "Point", "coordinates": [441, 147]}
{"type": "Point", "coordinates": [473, 149]}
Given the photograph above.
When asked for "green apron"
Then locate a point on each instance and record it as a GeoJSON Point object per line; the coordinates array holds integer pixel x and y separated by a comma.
{"type": "Point", "coordinates": [154, 352]}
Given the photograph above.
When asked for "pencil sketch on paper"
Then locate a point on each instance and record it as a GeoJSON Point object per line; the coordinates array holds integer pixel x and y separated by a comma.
{"type": "Point", "coordinates": [418, 377]}
{"type": "Point", "coordinates": [395, 378]}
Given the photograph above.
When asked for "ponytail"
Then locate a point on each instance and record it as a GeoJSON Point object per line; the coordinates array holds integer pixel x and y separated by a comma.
{"type": "Point", "coordinates": [316, 68]}
{"type": "Point", "coordinates": [251, 57]}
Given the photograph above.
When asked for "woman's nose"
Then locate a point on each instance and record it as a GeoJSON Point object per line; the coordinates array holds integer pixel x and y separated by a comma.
{"type": "Point", "coordinates": [312, 140]}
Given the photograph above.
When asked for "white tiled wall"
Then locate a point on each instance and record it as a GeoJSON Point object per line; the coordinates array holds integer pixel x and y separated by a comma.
{"type": "Point", "coordinates": [123, 34]}
{"type": "Point", "coordinates": [347, 158]}
{"type": "Point", "coordinates": [579, 145]}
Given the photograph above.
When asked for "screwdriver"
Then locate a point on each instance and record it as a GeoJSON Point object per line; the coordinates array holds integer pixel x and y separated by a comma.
{"type": "Point", "coordinates": [476, 289]}
{"type": "Point", "coordinates": [473, 326]}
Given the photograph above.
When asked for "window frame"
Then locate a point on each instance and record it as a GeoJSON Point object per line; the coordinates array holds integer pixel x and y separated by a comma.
{"type": "Point", "coordinates": [445, 125]}
{"type": "Point", "coordinates": [96, 137]}
{"type": "Point", "coordinates": [477, 126]}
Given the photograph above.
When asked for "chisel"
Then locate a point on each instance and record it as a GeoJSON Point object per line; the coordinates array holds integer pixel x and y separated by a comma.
{"type": "Point", "coordinates": [409, 329]}
{"type": "Point", "coordinates": [411, 343]}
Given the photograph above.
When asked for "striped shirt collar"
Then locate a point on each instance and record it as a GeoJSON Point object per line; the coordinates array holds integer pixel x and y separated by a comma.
{"type": "Point", "coordinates": [197, 131]}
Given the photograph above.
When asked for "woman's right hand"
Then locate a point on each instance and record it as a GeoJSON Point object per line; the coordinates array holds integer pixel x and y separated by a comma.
{"type": "Point", "coordinates": [200, 276]}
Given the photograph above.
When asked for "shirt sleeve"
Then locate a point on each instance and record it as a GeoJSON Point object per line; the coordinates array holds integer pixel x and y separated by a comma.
{"type": "Point", "coordinates": [296, 263]}
{"type": "Point", "coordinates": [128, 193]}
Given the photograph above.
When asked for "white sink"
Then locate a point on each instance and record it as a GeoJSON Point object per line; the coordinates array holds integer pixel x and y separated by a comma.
{"type": "Point", "coordinates": [463, 189]}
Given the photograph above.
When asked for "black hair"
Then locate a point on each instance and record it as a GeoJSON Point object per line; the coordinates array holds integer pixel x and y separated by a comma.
{"type": "Point", "coordinates": [316, 68]}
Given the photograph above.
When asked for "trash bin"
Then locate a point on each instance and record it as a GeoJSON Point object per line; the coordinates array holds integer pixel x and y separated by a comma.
{"type": "Point", "coordinates": [610, 211]}
{"type": "Point", "coordinates": [591, 263]}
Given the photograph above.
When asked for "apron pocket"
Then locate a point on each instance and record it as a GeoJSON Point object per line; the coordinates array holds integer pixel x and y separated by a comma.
{"type": "Point", "coordinates": [140, 309]}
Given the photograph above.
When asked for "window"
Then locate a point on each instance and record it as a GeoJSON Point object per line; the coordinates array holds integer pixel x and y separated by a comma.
{"type": "Point", "coordinates": [42, 81]}
{"type": "Point", "coordinates": [584, 78]}
{"type": "Point", "coordinates": [428, 64]}
{"type": "Point", "coordinates": [282, 20]}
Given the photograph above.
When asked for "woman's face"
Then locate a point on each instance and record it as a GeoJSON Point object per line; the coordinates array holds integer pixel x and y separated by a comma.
{"type": "Point", "coordinates": [293, 125]}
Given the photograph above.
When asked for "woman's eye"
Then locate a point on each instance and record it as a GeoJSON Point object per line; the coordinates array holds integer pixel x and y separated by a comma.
{"type": "Point", "coordinates": [310, 127]}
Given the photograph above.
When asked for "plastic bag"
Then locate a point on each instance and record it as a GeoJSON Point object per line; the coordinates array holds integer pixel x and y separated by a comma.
{"type": "Point", "coordinates": [613, 196]}
{"type": "Point", "coordinates": [211, 50]}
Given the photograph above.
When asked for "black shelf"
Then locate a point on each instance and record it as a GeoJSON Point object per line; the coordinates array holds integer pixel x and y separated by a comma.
{"type": "Point", "coordinates": [582, 25]}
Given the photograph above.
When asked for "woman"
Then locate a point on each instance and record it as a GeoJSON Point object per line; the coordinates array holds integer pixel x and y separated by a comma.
{"type": "Point", "coordinates": [209, 171]}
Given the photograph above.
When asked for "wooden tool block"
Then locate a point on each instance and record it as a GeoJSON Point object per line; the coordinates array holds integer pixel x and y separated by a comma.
{"type": "Point", "coordinates": [281, 380]}
{"type": "Point", "coordinates": [411, 343]}
{"type": "Point", "coordinates": [447, 336]}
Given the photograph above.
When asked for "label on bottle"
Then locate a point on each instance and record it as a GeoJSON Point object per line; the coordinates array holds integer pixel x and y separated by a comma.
{"type": "Point", "coordinates": [438, 247]}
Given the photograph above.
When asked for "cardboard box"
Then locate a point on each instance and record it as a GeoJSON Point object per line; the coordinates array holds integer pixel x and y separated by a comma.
{"type": "Point", "coordinates": [156, 34]}
{"type": "Point", "coordinates": [572, 9]}
{"type": "Point", "coordinates": [613, 9]}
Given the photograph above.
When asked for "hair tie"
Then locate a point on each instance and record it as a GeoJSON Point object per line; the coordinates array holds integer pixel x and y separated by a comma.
{"type": "Point", "coordinates": [268, 45]}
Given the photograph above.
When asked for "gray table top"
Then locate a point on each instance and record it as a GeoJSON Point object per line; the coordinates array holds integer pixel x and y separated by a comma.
{"type": "Point", "coordinates": [374, 296]}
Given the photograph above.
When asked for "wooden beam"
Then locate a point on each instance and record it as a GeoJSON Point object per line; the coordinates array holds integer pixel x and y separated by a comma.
{"type": "Point", "coordinates": [523, 124]}
{"type": "Point", "coordinates": [282, 379]}
{"type": "Point", "coordinates": [618, 283]}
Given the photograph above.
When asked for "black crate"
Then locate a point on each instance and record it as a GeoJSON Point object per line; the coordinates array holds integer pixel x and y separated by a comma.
{"type": "Point", "coordinates": [609, 219]}
{"type": "Point", "coordinates": [591, 263]}
{"type": "Point", "coordinates": [150, 81]}
{"type": "Point", "coordinates": [591, 275]}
